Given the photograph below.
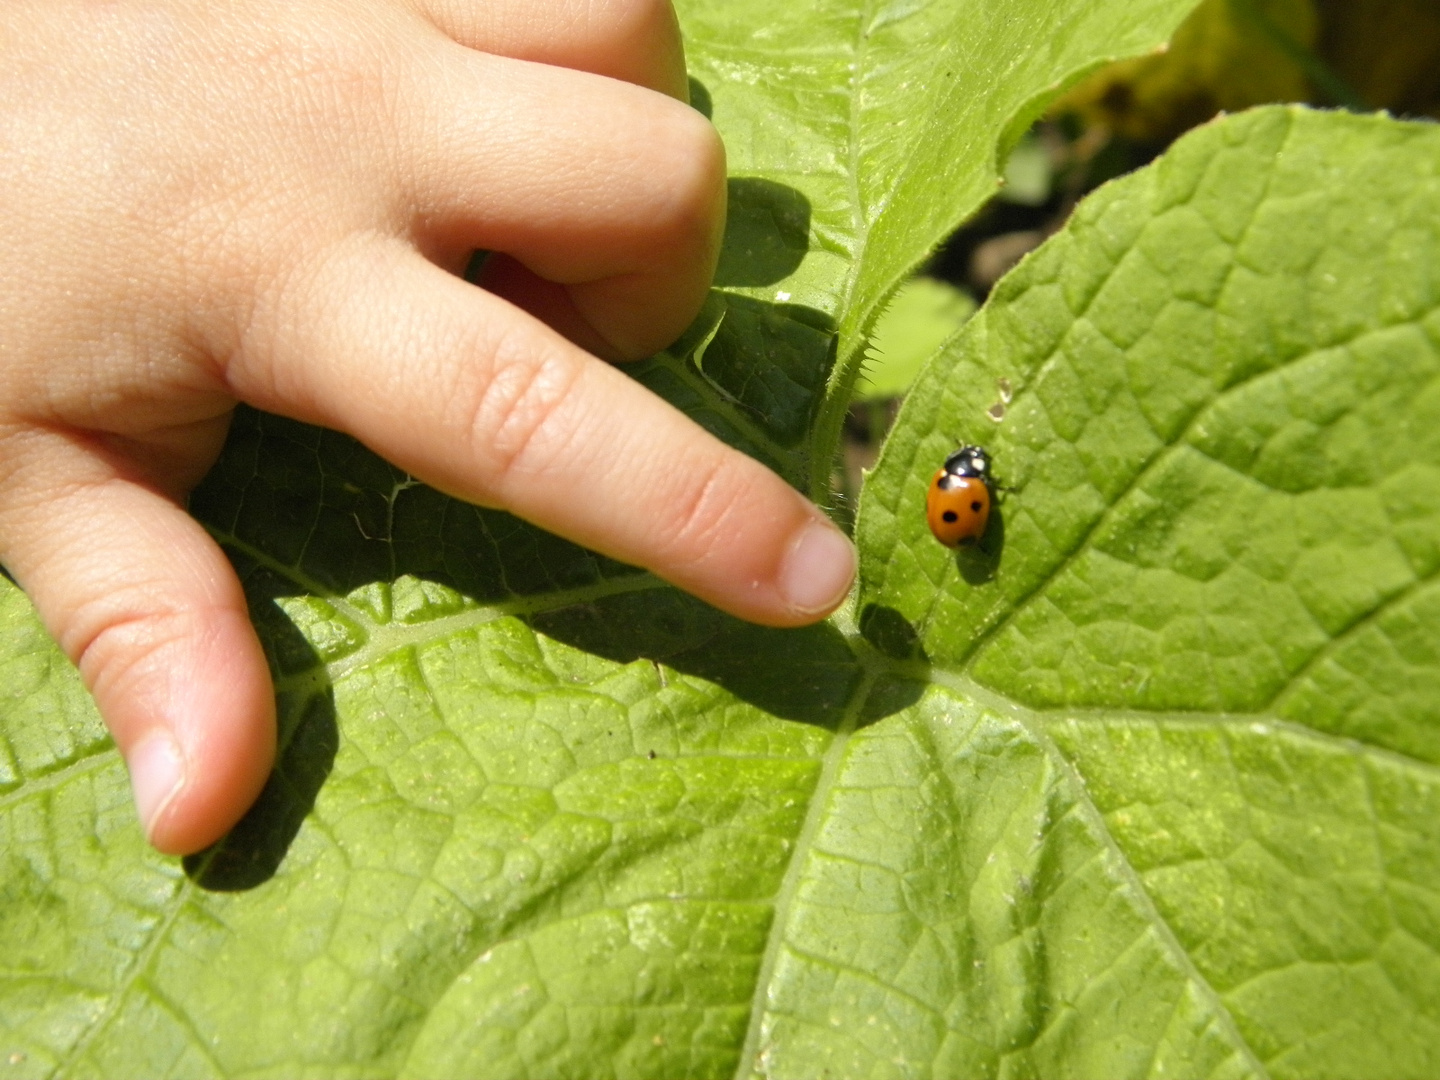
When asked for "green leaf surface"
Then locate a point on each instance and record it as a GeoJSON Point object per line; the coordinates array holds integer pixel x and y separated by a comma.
{"type": "Point", "coordinates": [1146, 787]}
{"type": "Point", "coordinates": [1209, 589]}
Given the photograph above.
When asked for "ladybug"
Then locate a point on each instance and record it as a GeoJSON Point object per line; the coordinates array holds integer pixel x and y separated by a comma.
{"type": "Point", "coordinates": [958, 503]}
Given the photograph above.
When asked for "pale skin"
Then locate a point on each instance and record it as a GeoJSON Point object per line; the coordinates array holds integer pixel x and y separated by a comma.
{"type": "Point", "coordinates": [269, 201]}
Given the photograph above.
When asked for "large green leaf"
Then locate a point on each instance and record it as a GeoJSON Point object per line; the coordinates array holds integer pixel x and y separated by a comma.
{"type": "Point", "coordinates": [538, 815]}
{"type": "Point", "coordinates": [1207, 614]}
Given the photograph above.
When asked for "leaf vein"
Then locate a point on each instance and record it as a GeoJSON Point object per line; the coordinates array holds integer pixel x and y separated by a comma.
{"type": "Point", "coordinates": [1154, 462]}
{"type": "Point", "coordinates": [1340, 639]}
{"type": "Point", "coordinates": [785, 896]}
{"type": "Point", "coordinates": [101, 758]}
{"type": "Point", "coordinates": [1141, 896]}
{"type": "Point", "coordinates": [133, 974]}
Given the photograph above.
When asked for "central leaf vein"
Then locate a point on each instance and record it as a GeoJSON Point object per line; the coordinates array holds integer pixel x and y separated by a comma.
{"type": "Point", "coordinates": [785, 897]}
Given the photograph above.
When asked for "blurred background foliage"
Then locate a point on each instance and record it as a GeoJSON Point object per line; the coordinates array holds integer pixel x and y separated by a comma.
{"type": "Point", "coordinates": [1363, 55]}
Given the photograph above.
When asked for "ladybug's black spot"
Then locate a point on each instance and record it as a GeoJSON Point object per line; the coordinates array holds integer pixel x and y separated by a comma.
{"type": "Point", "coordinates": [975, 506]}
{"type": "Point", "coordinates": [950, 515]}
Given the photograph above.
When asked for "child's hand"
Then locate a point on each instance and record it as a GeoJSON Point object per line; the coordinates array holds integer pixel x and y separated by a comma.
{"type": "Point", "coordinates": [266, 201]}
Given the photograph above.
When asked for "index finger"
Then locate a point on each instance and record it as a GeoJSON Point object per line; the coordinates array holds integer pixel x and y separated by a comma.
{"type": "Point", "coordinates": [483, 401]}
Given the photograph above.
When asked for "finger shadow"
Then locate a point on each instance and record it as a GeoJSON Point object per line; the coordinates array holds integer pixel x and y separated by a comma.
{"type": "Point", "coordinates": [308, 739]}
{"type": "Point", "coordinates": [808, 675]}
{"type": "Point", "coordinates": [805, 674]}
{"type": "Point", "coordinates": [767, 357]}
{"type": "Point", "coordinates": [700, 99]}
{"type": "Point", "coordinates": [767, 233]}
{"type": "Point", "coordinates": [343, 520]}
{"type": "Point", "coordinates": [891, 634]}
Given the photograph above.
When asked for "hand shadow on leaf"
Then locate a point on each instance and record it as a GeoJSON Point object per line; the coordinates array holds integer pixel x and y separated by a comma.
{"type": "Point", "coordinates": [763, 356]}
{"type": "Point", "coordinates": [772, 360]}
{"type": "Point", "coordinates": [309, 738]}
{"type": "Point", "coordinates": [767, 224]}
{"type": "Point", "coordinates": [340, 521]}
{"type": "Point", "coordinates": [806, 675]}
{"type": "Point", "coordinates": [767, 233]}
{"type": "Point", "coordinates": [700, 98]}
{"type": "Point", "coordinates": [891, 634]}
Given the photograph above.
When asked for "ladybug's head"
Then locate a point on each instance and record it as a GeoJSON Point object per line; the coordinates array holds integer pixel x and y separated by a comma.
{"type": "Point", "coordinates": [969, 461]}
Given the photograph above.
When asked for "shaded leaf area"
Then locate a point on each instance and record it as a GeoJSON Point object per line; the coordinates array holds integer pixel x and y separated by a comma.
{"type": "Point", "coordinates": [332, 518]}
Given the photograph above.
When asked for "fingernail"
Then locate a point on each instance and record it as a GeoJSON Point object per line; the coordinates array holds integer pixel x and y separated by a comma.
{"type": "Point", "coordinates": [157, 772]}
{"type": "Point", "coordinates": [818, 569]}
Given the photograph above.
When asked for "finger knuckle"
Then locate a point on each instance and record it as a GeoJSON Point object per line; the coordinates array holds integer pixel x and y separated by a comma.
{"type": "Point", "coordinates": [109, 642]}
{"type": "Point", "coordinates": [704, 515]}
{"type": "Point", "coordinates": [515, 422]}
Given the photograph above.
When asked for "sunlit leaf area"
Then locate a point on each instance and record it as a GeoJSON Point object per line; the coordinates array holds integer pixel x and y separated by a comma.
{"type": "Point", "coordinates": [1144, 783]}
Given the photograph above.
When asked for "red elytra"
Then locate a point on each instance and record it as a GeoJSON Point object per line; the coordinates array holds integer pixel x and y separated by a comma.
{"type": "Point", "coordinates": [957, 506]}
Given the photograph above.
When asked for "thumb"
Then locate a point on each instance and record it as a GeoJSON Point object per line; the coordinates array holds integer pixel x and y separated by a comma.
{"type": "Point", "coordinates": [150, 611]}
